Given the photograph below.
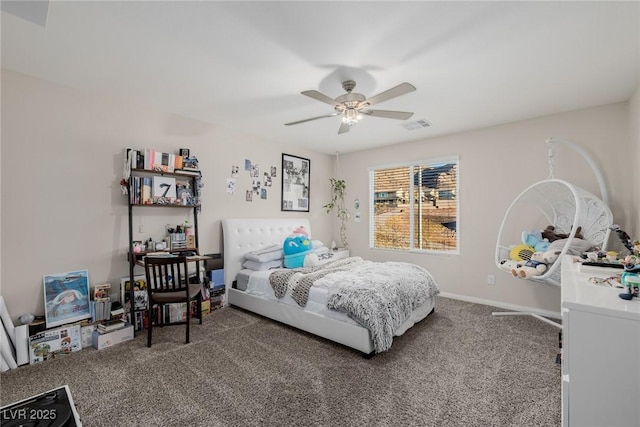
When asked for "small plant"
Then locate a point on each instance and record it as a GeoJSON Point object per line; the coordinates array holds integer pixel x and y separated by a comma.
{"type": "Point", "coordinates": [338, 188]}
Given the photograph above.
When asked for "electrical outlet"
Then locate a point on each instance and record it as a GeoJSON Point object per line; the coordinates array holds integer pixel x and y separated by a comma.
{"type": "Point", "coordinates": [141, 229]}
{"type": "Point", "coordinates": [491, 279]}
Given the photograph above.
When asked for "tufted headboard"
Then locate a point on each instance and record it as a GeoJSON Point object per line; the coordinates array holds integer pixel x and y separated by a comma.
{"type": "Point", "coordinates": [242, 235]}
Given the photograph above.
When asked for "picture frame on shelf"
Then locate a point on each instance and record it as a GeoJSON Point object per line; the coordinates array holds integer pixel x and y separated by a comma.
{"type": "Point", "coordinates": [184, 193]}
{"type": "Point", "coordinates": [164, 189]}
{"type": "Point", "coordinates": [296, 172]}
{"type": "Point", "coordinates": [66, 297]}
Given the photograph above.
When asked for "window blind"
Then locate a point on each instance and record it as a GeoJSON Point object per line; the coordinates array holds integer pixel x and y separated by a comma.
{"type": "Point", "coordinates": [415, 206]}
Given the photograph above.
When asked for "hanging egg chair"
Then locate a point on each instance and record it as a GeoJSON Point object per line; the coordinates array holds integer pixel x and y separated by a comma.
{"type": "Point", "coordinates": [564, 206]}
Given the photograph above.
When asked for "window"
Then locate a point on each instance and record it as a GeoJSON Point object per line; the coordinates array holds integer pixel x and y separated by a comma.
{"type": "Point", "coordinates": [414, 206]}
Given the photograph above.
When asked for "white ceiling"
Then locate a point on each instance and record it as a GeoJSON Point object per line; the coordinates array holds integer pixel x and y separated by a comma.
{"type": "Point", "coordinates": [242, 65]}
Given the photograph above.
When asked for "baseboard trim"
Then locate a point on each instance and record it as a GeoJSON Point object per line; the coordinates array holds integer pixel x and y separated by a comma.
{"type": "Point", "coordinates": [506, 306]}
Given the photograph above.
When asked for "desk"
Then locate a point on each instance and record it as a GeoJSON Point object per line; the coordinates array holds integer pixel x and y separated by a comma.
{"type": "Point", "coordinates": [139, 260]}
{"type": "Point", "coordinates": [601, 352]}
{"type": "Point", "coordinates": [139, 257]}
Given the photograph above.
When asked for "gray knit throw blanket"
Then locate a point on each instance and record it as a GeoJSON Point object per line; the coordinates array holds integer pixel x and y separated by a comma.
{"type": "Point", "coordinates": [380, 296]}
{"type": "Point", "coordinates": [299, 280]}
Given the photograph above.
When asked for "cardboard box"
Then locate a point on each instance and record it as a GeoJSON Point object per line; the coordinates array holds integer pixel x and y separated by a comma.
{"type": "Point", "coordinates": [101, 341]}
{"type": "Point", "coordinates": [53, 343]}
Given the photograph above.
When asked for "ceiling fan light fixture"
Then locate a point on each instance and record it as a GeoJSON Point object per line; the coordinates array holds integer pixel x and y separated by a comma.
{"type": "Point", "coordinates": [351, 116]}
{"type": "Point", "coordinates": [353, 106]}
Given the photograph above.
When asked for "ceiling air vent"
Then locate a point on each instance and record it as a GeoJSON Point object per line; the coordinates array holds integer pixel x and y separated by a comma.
{"type": "Point", "coordinates": [416, 124]}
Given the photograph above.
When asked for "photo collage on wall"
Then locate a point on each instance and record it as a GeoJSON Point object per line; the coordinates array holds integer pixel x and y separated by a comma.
{"type": "Point", "coordinates": [259, 184]}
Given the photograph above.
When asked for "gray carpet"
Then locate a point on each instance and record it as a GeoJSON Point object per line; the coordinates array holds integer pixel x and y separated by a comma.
{"type": "Point", "coordinates": [459, 367]}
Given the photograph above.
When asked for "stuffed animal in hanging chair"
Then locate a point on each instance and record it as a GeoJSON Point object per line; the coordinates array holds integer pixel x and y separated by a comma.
{"type": "Point", "coordinates": [535, 240]}
{"type": "Point", "coordinates": [551, 235]}
{"type": "Point", "coordinates": [536, 266]}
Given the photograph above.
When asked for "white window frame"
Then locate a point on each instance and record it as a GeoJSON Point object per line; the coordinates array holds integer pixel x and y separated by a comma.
{"type": "Point", "coordinates": [411, 165]}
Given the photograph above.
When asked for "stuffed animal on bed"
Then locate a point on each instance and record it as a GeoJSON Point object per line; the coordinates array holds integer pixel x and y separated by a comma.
{"type": "Point", "coordinates": [298, 250]}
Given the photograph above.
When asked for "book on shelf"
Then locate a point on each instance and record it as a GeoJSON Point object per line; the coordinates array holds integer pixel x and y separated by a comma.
{"type": "Point", "coordinates": [146, 198]}
{"type": "Point", "coordinates": [117, 313]}
{"type": "Point", "coordinates": [191, 172]}
{"type": "Point", "coordinates": [100, 310]}
{"type": "Point", "coordinates": [160, 161]}
{"type": "Point", "coordinates": [178, 163]}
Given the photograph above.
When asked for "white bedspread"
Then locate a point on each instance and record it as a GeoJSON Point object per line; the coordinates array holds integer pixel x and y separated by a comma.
{"type": "Point", "coordinates": [259, 285]}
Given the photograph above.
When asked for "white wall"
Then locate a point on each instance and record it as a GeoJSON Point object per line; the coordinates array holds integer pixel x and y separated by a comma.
{"type": "Point", "coordinates": [62, 207]}
{"type": "Point", "coordinates": [496, 164]}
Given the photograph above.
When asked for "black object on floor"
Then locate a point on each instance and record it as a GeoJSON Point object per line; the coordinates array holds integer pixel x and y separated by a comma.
{"type": "Point", "coordinates": [53, 408]}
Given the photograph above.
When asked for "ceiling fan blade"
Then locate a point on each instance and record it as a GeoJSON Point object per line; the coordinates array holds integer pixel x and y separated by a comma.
{"type": "Point", "coordinates": [399, 115]}
{"type": "Point", "coordinates": [312, 118]}
{"type": "Point", "coordinates": [401, 89]}
{"type": "Point", "coordinates": [320, 97]}
{"type": "Point", "coordinates": [343, 128]}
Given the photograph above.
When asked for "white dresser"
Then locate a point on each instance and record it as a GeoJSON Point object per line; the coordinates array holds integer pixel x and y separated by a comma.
{"type": "Point", "coordinates": [601, 352]}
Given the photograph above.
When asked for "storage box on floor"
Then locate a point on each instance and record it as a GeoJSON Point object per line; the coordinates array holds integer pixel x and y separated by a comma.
{"type": "Point", "coordinates": [109, 339]}
{"type": "Point", "coordinates": [53, 343]}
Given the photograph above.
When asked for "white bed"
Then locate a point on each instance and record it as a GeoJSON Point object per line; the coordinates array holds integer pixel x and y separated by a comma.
{"type": "Point", "coordinates": [245, 235]}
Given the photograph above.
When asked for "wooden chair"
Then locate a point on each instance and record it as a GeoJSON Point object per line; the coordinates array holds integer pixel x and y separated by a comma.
{"type": "Point", "coordinates": [168, 283]}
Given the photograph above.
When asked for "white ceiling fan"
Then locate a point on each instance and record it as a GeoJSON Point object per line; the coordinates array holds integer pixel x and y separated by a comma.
{"type": "Point", "coordinates": [352, 106]}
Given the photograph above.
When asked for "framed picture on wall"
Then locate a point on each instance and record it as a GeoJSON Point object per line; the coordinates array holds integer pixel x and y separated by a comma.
{"type": "Point", "coordinates": [66, 297]}
{"type": "Point", "coordinates": [296, 173]}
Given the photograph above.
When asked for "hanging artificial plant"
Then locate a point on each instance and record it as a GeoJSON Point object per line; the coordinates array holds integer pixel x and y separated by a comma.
{"type": "Point", "coordinates": [338, 188]}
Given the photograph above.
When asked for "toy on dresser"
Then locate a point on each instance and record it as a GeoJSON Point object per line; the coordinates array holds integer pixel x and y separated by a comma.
{"type": "Point", "coordinates": [630, 279]}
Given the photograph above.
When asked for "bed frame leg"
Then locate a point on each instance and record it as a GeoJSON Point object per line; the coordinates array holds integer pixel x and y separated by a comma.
{"type": "Point", "coordinates": [369, 355]}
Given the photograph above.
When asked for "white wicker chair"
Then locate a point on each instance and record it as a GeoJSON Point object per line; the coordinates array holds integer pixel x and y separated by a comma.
{"type": "Point", "coordinates": [562, 205]}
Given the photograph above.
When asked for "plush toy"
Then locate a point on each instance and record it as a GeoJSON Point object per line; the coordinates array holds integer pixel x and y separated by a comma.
{"type": "Point", "coordinates": [535, 240]}
{"type": "Point", "coordinates": [509, 264]}
{"type": "Point", "coordinates": [534, 267]}
{"type": "Point", "coordinates": [298, 250]}
{"type": "Point", "coordinates": [521, 252]}
{"type": "Point", "coordinates": [295, 249]}
{"type": "Point", "coordinates": [301, 230]}
{"type": "Point", "coordinates": [550, 256]}
{"type": "Point", "coordinates": [551, 235]}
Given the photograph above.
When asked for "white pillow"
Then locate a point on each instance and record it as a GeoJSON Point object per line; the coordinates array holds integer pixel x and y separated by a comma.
{"type": "Point", "coordinates": [577, 247]}
{"type": "Point", "coordinates": [268, 253]}
{"type": "Point", "coordinates": [259, 266]}
{"type": "Point", "coordinates": [316, 244]}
